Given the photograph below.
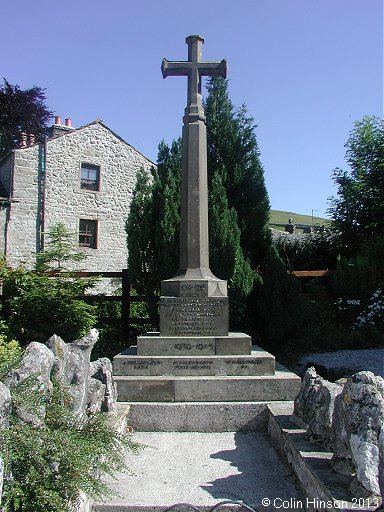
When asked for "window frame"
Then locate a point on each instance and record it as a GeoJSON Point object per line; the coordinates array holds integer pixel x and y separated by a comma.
{"type": "Point", "coordinates": [92, 234]}
{"type": "Point", "coordinates": [85, 182]}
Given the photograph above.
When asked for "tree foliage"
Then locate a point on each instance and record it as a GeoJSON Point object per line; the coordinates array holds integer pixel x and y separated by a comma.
{"type": "Point", "coordinates": [227, 260]}
{"type": "Point", "coordinates": [277, 305]}
{"type": "Point", "coordinates": [358, 210]}
{"type": "Point", "coordinates": [234, 155]}
{"type": "Point", "coordinates": [238, 207]}
{"type": "Point", "coordinates": [46, 465]}
{"type": "Point", "coordinates": [21, 111]}
{"type": "Point", "coordinates": [37, 304]}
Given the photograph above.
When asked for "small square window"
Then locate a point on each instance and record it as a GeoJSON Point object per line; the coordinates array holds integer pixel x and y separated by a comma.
{"type": "Point", "coordinates": [90, 176]}
{"type": "Point", "coordinates": [88, 233]}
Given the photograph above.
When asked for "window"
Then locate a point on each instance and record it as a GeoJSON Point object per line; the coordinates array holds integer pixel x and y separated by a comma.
{"type": "Point", "coordinates": [88, 233]}
{"type": "Point", "coordinates": [90, 176]}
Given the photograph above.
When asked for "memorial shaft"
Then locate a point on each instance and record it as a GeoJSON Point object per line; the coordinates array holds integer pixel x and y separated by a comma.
{"type": "Point", "coordinates": [194, 246]}
{"type": "Point", "coordinates": [194, 302]}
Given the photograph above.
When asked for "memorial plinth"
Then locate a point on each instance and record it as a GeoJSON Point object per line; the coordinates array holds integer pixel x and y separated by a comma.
{"type": "Point", "coordinates": [194, 357]}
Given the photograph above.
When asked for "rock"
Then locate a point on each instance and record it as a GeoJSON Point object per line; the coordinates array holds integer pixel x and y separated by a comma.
{"type": "Point", "coordinates": [314, 406]}
{"type": "Point", "coordinates": [102, 370]}
{"type": "Point", "coordinates": [5, 405]}
{"type": "Point", "coordinates": [60, 352]}
{"type": "Point", "coordinates": [37, 360]}
{"type": "Point", "coordinates": [381, 462]}
{"type": "Point", "coordinates": [320, 424]}
{"type": "Point", "coordinates": [72, 367]}
{"type": "Point", "coordinates": [96, 393]}
{"type": "Point", "coordinates": [358, 418]}
{"type": "Point", "coordinates": [310, 384]}
{"type": "Point", "coordinates": [36, 363]}
{"type": "Point", "coordinates": [1, 477]}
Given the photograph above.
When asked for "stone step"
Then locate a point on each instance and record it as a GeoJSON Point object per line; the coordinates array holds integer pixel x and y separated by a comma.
{"type": "Point", "coordinates": [284, 385]}
{"type": "Point", "coordinates": [257, 363]}
{"type": "Point", "coordinates": [152, 344]}
{"type": "Point", "coordinates": [199, 416]}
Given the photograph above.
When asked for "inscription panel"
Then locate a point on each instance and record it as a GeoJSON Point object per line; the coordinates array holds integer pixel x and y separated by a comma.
{"type": "Point", "coordinates": [195, 365]}
{"type": "Point", "coordinates": [189, 316]}
{"type": "Point", "coordinates": [193, 290]}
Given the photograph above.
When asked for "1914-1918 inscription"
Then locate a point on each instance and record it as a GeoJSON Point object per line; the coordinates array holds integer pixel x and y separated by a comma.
{"type": "Point", "coordinates": [187, 316]}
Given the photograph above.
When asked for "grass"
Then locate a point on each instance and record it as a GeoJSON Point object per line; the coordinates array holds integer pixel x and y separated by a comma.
{"type": "Point", "coordinates": [281, 217]}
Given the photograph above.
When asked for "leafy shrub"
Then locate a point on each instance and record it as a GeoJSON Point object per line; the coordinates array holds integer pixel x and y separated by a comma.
{"type": "Point", "coordinates": [10, 352]}
{"type": "Point", "coordinates": [315, 251]}
{"type": "Point", "coordinates": [46, 466]}
{"type": "Point", "coordinates": [277, 308]}
{"type": "Point", "coordinates": [37, 304]}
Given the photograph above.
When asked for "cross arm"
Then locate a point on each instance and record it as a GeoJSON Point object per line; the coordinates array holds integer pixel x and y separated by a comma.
{"type": "Point", "coordinates": [182, 68]}
{"type": "Point", "coordinates": [174, 68]}
{"type": "Point", "coordinates": [214, 69]}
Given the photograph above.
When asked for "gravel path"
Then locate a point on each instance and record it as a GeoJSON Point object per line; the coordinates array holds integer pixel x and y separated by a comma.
{"type": "Point", "coordinates": [354, 360]}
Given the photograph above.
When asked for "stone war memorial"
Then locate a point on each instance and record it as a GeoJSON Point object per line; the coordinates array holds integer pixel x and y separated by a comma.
{"type": "Point", "coordinates": [194, 357]}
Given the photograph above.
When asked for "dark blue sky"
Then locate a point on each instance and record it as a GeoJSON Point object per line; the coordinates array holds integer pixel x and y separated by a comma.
{"type": "Point", "coordinates": [306, 70]}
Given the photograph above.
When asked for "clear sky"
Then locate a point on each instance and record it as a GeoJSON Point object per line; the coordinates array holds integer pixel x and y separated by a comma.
{"type": "Point", "coordinates": [305, 69]}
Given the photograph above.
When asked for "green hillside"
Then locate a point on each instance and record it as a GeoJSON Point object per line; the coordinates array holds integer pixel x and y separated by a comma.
{"type": "Point", "coordinates": [281, 217]}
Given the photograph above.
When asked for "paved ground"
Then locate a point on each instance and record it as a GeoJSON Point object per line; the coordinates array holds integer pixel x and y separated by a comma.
{"type": "Point", "coordinates": [202, 469]}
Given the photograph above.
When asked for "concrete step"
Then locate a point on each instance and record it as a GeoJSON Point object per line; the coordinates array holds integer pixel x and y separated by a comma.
{"type": "Point", "coordinates": [284, 385]}
{"type": "Point", "coordinates": [152, 344]}
{"type": "Point", "coordinates": [257, 363]}
{"type": "Point", "coordinates": [202, 469]}
{"type": "Point", "coordinates": [199, 416]}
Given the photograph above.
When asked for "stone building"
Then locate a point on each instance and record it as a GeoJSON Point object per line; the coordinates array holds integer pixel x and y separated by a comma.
{"type": "Point", "coordinates": [83, 178]}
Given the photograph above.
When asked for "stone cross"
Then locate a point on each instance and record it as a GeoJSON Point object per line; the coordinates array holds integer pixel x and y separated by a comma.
{"type": "Point", "coordinates": [194, 251]}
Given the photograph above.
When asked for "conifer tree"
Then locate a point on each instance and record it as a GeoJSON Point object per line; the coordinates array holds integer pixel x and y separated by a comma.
{"type": "Point", "coordinates": [238, 207]}
{"type": "Point", "coordinates": [140, 237]}
{"type": "Point", "coordinates": [233, 153]}
{"type": "Point", "coordinates": [226, 256]}
{"type": "Point", "coordinates": [166, 210]}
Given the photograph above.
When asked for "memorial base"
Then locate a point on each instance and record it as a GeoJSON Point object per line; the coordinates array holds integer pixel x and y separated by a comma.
{"type": "Point", "coordinates": [200, 369]}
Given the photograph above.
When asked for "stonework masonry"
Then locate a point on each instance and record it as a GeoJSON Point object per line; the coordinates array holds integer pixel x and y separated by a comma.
{"type": "Point", "coordinates": [65, 200]}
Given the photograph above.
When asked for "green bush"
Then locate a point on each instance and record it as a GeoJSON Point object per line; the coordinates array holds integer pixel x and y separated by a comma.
{"type": "Point", "coordinates": [46, 466]}
{"type": "Point", "coordinates": [10, 353]}
{"type": "Point", "coordinates": [37, 304]}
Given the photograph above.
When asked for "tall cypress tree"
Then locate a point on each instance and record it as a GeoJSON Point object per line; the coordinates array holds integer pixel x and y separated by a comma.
{"type": "Point", "coordinates": [227, 260]}
{"type": "Point", "coordinates": [166, 210]}
{"type": "Point", "coordinates": [233, 153]}
{"type": "Point", "coordinates": [238, 206]}
{"type": "Point", "coordinates": [140, 237]}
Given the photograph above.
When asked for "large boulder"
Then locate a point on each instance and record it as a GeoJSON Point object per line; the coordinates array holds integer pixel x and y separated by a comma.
{"type": "Point", "coordinates": [381, 463]}
{"type": "Point", "coordinates": [320, 424]}
{"type": "Point", "coordinates": [1, 477]}
{"type": "Point", "coordinates": [303, 408]}
{"type": "Point", "coordinates": [314, 406]}
{"type": "Point", "coordinates": [96, 394]}
{"type": "Point", "coordinates": [5, 405]}
{"type": "Point", "coordinates": [72, 367]}
{"type": "Point", "coordinates": [60, 352]}
{"type": "Point", "coordinates": [102, 370]}
{"type": "Point", "coordinates": [357, 420]}
{"type": "Point", "coordinates": [36, 364]}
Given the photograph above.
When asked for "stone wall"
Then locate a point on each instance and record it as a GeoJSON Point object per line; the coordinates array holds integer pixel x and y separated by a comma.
{"type": "Point", "coordinates": [21, 231]}
{"type": "Point", "coordinates": [67, 202]}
